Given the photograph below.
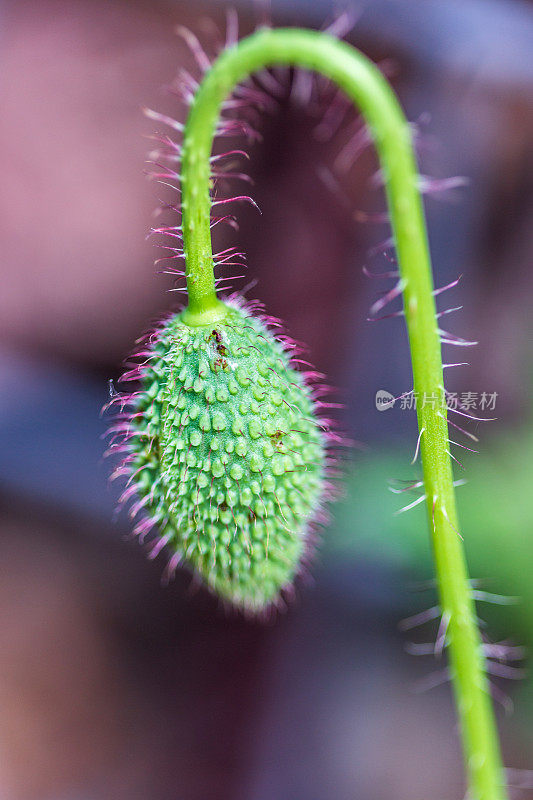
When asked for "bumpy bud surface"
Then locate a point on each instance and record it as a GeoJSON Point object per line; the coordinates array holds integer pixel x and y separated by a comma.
{"type": "Point", "coordinates": [228, 455]}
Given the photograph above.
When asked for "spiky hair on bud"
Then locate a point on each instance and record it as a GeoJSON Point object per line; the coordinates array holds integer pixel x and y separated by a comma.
{"type": "Point", "coordinates": [226, 453]}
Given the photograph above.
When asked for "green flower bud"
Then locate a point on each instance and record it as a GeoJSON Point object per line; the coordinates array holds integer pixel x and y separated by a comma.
{"type": "Point", "coordinates": [226, 455]}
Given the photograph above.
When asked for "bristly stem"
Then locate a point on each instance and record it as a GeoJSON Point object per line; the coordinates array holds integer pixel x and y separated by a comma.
{"type": "Point", "coordinates": [360, 79]}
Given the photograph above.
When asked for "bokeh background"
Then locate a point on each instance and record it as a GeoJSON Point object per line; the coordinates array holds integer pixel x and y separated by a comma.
{"type": "Point", "coordinates": [112, 686]}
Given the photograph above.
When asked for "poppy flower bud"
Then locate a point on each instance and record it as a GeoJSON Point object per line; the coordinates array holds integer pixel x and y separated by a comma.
{"type": "Point", "coordinates": [228, 455]}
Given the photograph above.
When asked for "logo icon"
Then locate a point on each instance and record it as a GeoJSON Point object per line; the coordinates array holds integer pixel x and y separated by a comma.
{"type": "Point", "coordinates": [384, 400]}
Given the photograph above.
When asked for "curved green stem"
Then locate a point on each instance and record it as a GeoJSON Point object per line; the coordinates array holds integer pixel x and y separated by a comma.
{"type": "Point", "coordinates": [370, 92]}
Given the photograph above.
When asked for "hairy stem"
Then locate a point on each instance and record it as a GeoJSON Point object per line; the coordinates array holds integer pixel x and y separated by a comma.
{"type": "Point", "coordinates": [364, 84]}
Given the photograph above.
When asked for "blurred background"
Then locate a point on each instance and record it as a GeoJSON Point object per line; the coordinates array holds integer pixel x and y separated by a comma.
{"type": "Point", "coordinates": [112, 686]}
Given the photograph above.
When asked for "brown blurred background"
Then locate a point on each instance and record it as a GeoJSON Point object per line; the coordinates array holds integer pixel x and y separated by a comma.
{"type": "Point", "coordinates": [112, 686]}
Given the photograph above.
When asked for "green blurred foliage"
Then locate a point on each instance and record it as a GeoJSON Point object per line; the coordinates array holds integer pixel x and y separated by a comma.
{"type": "Point", "coordinates": [495, 511]}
